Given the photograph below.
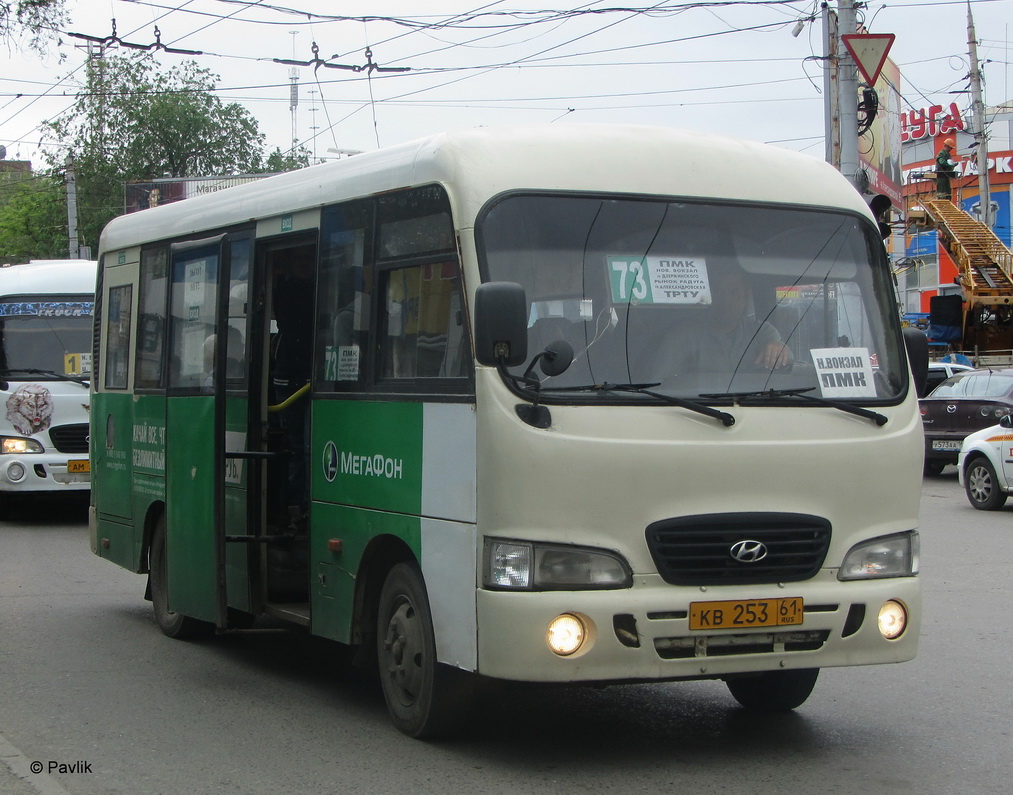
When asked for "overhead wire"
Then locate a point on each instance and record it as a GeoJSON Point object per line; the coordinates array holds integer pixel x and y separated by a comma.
{"type": "Point", "coordinates": [486, 21]}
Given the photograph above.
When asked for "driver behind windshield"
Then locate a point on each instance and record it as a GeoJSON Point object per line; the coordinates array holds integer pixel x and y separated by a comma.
{"type": "Point", "coordinates": [728, 337]}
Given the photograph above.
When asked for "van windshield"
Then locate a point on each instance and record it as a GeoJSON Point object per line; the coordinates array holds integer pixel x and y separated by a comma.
{"type": "Point", "coordinates": [700, 298]}
{"type": "Point", "coordinates": [48, 333]}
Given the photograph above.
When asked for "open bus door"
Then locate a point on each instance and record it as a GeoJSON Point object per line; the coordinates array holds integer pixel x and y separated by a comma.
{"type": "Point", "coordinates": [207, 410]}
{"type": "Point", "coordinates": [284, 316]}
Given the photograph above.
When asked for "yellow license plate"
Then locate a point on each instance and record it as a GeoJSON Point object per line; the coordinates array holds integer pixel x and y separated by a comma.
{"type": "Point", "coordinates": [734, 614]}
{"type": "Point", "coordinates": [75, 467]}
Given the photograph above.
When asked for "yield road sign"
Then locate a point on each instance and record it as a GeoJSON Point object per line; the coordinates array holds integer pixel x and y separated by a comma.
{"type": "Point", "coordinates": [869, 51]}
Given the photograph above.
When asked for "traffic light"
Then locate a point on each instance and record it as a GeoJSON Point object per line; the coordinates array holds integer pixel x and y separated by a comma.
{"type": "Point", "coordinates": [881, 206]}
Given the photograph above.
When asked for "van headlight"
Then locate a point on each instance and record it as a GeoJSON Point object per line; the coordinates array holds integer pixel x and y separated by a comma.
{"type": "Point", "coordinates": [886, 556]}
{"type": "Point", "coordinates": [18, 444]}
{"type": "Point", "coordinates": [528, 566]}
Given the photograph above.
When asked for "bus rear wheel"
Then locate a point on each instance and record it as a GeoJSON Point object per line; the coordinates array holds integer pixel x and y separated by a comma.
{"type": "Point", "coordinates": [172, 624]}
{"type": "Point", "coordinates": [424, 697]}
{"type": "Point", "coordinates": [773, 691]}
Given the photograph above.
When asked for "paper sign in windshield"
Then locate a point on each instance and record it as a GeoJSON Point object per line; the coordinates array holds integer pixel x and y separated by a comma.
{"type": "Point", "coordinates": [659, 280]}
{"type": "Point", "coordinates": [844, 372]}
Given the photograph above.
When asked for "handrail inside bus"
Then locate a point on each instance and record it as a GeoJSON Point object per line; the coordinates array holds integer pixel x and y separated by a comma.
{"type": "Point", "coordinates": [290, 399]}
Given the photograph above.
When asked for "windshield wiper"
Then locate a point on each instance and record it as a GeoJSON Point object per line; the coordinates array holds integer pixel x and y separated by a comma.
{"type": "Point", "coordinates": [724, 417]}
{"type": "Point", "coordinates": [34, 371]}
{"type": "Point", "coordinates": [875, 416]}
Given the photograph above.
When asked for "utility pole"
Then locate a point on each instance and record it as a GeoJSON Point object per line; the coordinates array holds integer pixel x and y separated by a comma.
{"type": "Point", "coordinates": [831, 89]}
{"type": "Point", "coordinates": [73, 245]}
{"type": "Point", "coordinates": [980, 130]}
{"type": "Point", "coordinates": [293, 101]}
{"type": "Point", "coordinates": [847, 93]}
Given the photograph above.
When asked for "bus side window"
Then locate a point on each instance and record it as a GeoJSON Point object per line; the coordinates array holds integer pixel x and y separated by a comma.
{"type": "Point", "coordinates": [345, 289]}
{"type": "Point", "coordinates": [117, 336]}
{"type": "Point", "coordinates": [192, 314]}
{"type": "Point", "coordinates": [420, 321]}
{"type": "Point", "coordinates": [151, 311]}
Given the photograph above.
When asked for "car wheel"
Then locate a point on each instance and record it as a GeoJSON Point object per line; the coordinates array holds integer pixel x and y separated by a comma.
{"type": "Point", "coordinates": [934, 468]}
{"type": "Point", "coordinates": [982, 486]}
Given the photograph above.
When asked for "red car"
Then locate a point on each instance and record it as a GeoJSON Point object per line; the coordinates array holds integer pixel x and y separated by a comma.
{"type": "Point", "coordinates": [962, 404]}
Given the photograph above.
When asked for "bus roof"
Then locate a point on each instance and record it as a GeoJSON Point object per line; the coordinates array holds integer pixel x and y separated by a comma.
{"type": "Point", "coordinates": [49, 277]}
{"type": "Point", "coordinates": [479, 163]}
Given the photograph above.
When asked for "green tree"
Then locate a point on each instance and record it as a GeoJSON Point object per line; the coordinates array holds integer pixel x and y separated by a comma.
{"type": "Point", "coordinates": [133, 122]}
{"type": "Point", "coordinates": [279, 161]}
{"type": "Point", "coordinates": [39, 18]}
{"type": "Point", "coordinates": [33, 220]}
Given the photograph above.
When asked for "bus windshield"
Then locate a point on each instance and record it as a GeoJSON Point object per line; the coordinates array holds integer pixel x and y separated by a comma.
{"type": "Point", "coordinates": [699, 299]}
{"type": "Point", "coordinates": [50, 334]}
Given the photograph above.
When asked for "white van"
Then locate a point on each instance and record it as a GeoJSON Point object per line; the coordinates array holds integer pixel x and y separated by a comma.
{"type": "Point", "coordinates": [46, 309]}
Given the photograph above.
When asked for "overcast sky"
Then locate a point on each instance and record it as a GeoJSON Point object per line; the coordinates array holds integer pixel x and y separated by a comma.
{"type": "Point", "coordinates": [726, 67]}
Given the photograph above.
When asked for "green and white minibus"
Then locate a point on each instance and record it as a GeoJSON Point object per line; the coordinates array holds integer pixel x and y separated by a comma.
{"type": "Point", "coordinates": [45, 363]}
{"type": "Point", "coordinates": [559, 404]}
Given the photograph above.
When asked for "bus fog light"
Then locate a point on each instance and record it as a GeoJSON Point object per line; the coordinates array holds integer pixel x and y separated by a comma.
{"type": "Point", "coordinates": [892, 620]}
{"type": "Point", "coordinates": [566, 634]}
{"type": "Point", "coordinates": [15, 472]}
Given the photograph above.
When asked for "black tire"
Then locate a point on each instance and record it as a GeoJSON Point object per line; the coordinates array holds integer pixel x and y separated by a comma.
{"type": "Point", "coordinates": [933, 468]}
{"type": "Point", "coordinates": [172, 624]}
{"type": "Point", "coordinates": [773, 691]}
{"type": "Point", "coordinates": [424, 698]}
{"type": "Point", "coordinates": [982, 486]}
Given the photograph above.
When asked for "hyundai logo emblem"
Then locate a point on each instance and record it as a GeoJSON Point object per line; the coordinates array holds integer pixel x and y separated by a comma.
{"type": "Point", "coordinates": [748, 551]}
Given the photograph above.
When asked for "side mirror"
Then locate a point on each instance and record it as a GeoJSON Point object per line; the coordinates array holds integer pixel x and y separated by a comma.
{"type": "Point", "coordinates": [881, 205]}
{"type": "Point", "coordinates": [501, 324]}
{"type": "Point", "coordinates": [917, 345]}
{"type": "Point", "coordinates": [556, 357]}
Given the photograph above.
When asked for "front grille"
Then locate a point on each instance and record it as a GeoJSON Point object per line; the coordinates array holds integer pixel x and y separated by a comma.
{"type": "Point", "coordinates": [70, 438]}
{"type": "Point", "coordinates": [697, 550]}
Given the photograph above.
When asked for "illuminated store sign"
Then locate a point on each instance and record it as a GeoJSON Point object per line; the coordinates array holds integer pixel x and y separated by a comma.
{"type": "Point", "coordinates": [930, 122]}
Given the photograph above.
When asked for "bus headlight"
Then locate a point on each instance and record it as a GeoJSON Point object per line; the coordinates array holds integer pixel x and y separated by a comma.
{"type": "Point", "coordinates": [18, 444]}
{"type": "Point", "coordinates": [886, 556]}
{"type": "Point", "coordinates": [521, 565]}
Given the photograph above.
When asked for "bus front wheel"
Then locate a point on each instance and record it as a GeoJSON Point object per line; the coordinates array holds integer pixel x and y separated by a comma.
{"type": "Point", "coordinates": [173, 624]}
{"type": "Point", "coordinates": [773, 691]}
{"type": "Point", "coordinates": [425, 698]}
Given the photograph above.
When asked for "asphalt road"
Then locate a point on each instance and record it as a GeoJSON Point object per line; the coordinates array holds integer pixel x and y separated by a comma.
{"type": "Point", "coordinates": [91, 690]}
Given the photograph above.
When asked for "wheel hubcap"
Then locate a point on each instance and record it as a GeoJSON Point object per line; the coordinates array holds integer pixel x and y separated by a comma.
{"type": "Point", "coordinates": [403, 652]}
{"type": "Point", "coordinates": [979, 483]}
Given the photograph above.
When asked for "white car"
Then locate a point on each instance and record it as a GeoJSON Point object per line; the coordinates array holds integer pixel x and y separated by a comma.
{"type": "Point", "coordinates": [940, 371]}
{"type": "Point", "coordinates": [985, 465]}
